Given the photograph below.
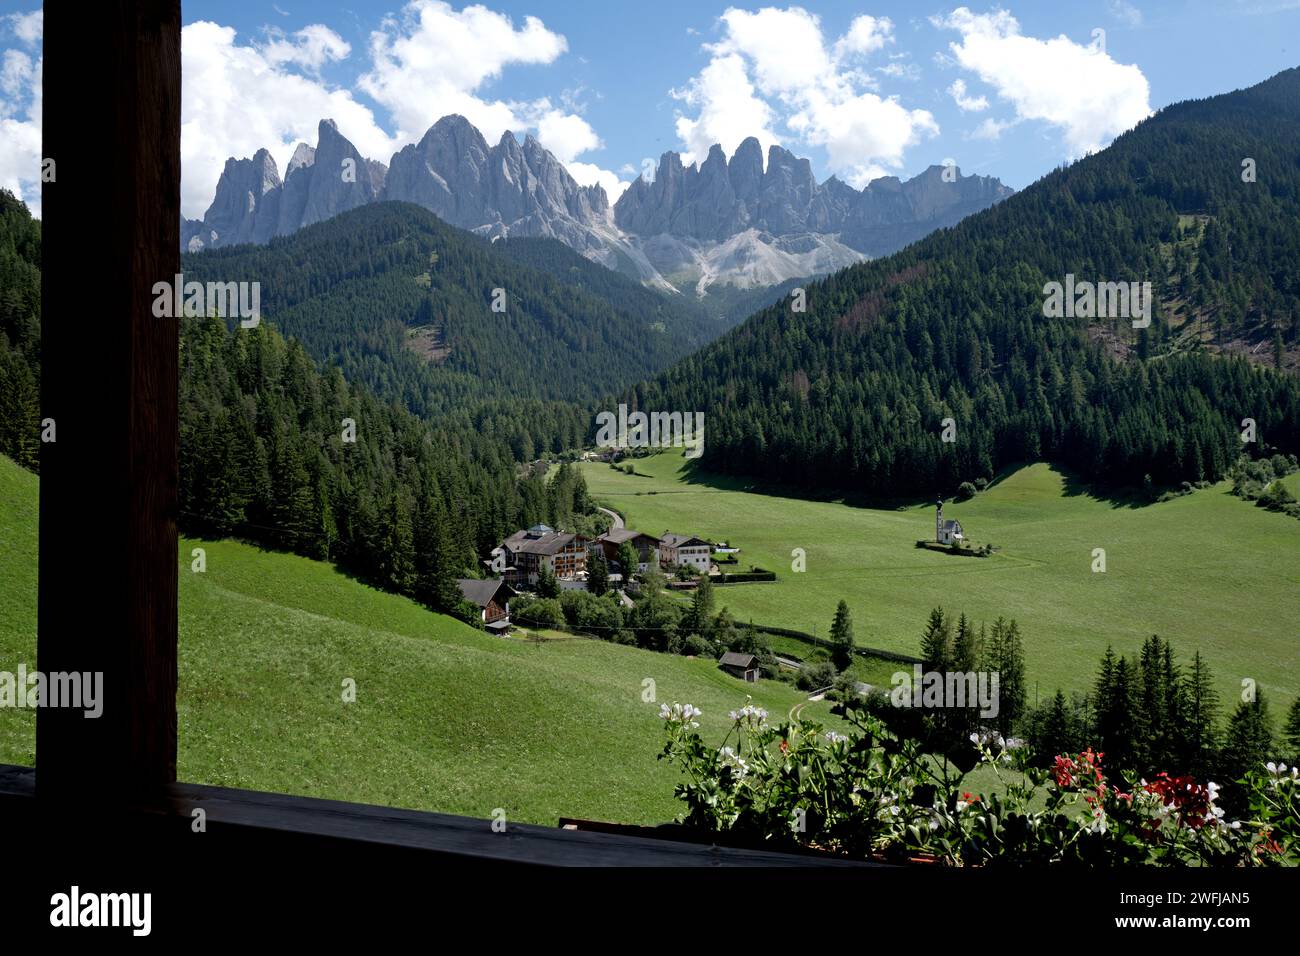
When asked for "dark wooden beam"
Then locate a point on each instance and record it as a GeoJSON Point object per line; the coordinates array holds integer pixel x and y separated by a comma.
{"type": "Point", "coordinates": [239, 824]}
{"type": "Point", "coordinates": [111, 229]}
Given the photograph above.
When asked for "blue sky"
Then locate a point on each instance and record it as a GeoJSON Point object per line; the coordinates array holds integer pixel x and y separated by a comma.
{"type": "Point", "coordinates": [861, 89]}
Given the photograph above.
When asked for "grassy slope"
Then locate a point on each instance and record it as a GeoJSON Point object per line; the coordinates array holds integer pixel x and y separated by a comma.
{"type": "Point", "coordinates": [446, 718]}
{"type": "Point", "coordinates": [18, 498]}
{"type": "Point", "coordinates": [1205, 570]}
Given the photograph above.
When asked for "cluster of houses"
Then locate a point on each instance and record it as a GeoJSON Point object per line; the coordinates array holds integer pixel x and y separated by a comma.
{"type": "Point", "coordinates": [518, 562]}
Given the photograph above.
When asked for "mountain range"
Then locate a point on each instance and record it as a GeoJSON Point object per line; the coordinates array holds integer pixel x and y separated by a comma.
{"type": "Point", "coordinates": [732, 223]}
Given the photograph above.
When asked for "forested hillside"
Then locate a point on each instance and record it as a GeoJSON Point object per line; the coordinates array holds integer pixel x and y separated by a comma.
{"type": "Point", "coordinates": [854, 392]}
{"type": "Point", "coordinates": [267, 454]}
{"type": "Point", "coordinates": [402, 302]}
{"type": "Point", "coordinates": [20, 332]}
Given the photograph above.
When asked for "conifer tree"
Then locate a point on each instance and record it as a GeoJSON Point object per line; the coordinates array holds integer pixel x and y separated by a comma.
{"type": "Point", "coordinates": [597, 573]}
{"type": "Point", "coordinates": [1006, 656]}
{"type": "Point", "coordinates": [1248, 743]}
{"type": "Point", "coordinates": [701, 616]}
{"type": "Point", "coordinates": [936, 643]}
{"type": "Point", "coordinates": [1200, 729]}
{"type": "Point", "coordinates": [1291, 732]}
{"type": "Point", "coordinates": [842, 637]}
{"type": "Point", "coordinates": [547, 585]}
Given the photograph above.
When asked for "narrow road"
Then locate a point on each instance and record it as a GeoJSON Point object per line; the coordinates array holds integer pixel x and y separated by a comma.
{"type": "Point", "coordinates": [618, 521]}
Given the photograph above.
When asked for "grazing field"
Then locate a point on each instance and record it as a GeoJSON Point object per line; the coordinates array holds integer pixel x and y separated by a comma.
{"type": "Point", "coordinates": [446, 717]}
{"type": "Point", "coordinates": [18, 499]}
{"type": "Point", "coordinates": [1205, 570]}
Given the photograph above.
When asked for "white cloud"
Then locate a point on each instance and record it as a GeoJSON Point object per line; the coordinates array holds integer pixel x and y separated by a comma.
{"type": "Point", "coordinates": [589, 174]}
{"type": "Point", "coordinates": [776, 65]}
{"type": "Point", "coordinates": [968, 104]}
{"type": "Point", "coordinates": [238, 99]}
{"type": "Point", "coordinates": [991, 129]}
{"type": "Point", "coordinates": [1077, 88]}
{"type": "Point", "coordinates": [20, 109]}
{"type": "Point", "coordinates": [566, 135]}
{"type": "Point", "coordinates": [310, 48]}
{"type": "Point", "coordinates": [866, 35]}
{"type": "Point", "coordinates": [729, 110]}
{"type": "Point", "coordinates": [433, 60]}
{"type": "Point", "coordinates": [901, 70]}
{"type": "Point", "coordinates": [28, 27]}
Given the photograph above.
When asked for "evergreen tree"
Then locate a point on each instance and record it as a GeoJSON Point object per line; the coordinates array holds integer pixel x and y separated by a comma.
{"type": "Point", "coordinates": [1291, 732]}
{"type": "Point", "coordinates": [1248, 744]}
{"type": "Point", "coordinates": [936, 643]}
{"type": "Point", "coordinates": [1117, 711]}
{"type": "Point", "coordinates": [842, 637]}
{"type": "Point", "coordinates": [547, 585]}
{"type": "Point", "coordinates": [1200, 736]}
{"type": "Point", "coordinates": [397, 546]}
{"type": "Point", "coordinates": [701, 615]}
{"type": "Point", "coordinates": [597, 573]}
{"type": "Point", "coordinates": [1006, 657]}
{"type": "Point", "coordinates": [1055, 731]}
{"type": "Point", "coordinates": [436, 566]}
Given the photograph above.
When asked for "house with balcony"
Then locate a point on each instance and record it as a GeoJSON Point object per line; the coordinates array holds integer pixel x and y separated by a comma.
{"type": "Point", "coordinates": [524, 553]}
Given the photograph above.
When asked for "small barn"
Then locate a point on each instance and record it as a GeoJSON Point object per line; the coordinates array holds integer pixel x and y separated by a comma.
{"type": "Point", "coordinates": [492, 597]}
{"type": "Point", "coordinates": [744, 666]}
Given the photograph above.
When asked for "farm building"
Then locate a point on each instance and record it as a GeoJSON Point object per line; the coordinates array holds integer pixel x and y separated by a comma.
{"type": "Point", "coordinates": [492, 597]}
{"type": "Point", "coordinates": [744, 666]}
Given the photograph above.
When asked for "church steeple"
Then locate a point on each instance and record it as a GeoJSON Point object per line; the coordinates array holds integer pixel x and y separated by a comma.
{"type": "Point", "coordinates": [938, 522]}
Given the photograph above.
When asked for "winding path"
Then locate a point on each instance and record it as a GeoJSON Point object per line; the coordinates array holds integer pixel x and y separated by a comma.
{"type": "Point", "coordinates": [618, 519]}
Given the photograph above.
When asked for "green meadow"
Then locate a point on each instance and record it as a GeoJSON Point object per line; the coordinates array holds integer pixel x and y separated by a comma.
{"type": "Point", "coordinates": [445, 718]}
{"type": "Point", "coordinates": [1206, 570]}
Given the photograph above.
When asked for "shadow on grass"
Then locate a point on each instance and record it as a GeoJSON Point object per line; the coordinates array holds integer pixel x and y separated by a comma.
{"type": "Point", "coordinates": [1073, 485]}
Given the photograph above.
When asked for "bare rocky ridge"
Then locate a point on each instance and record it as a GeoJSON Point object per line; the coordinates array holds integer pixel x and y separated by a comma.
{"type": "Point", "coordinates": [731, 222]}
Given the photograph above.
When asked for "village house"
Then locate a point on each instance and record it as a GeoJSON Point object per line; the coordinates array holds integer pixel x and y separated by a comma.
{"type": "Point", "coordinates": [744, 666]}
{"type": "Point", "coordinates": [946, 532]}
{"type": "Point", "coordinates": [676, 550]}
{"type": "Point", "coordinates": [492, 597]}
{"type": "Point", "coordinates": [646, 545]}
{"type": "Point", "coordinates": [522, 555]}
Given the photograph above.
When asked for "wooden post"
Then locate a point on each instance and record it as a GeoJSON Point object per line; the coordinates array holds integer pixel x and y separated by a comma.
{"type": "Point", "coordinates": [108, 559]}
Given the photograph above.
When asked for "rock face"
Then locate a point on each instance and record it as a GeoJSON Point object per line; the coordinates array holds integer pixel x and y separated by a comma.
{"type": "Point", "coordinates": [719, 200]}
{"type": "Point", "coordinates": [253, 205]}
{"type": "Point", "coordinates": [734, 222]}
{"type": "Point", "coordinates": [501, 190]}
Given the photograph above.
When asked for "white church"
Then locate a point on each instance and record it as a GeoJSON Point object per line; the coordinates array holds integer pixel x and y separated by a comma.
{"type": "Point", "coordinates": [945, 532]}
